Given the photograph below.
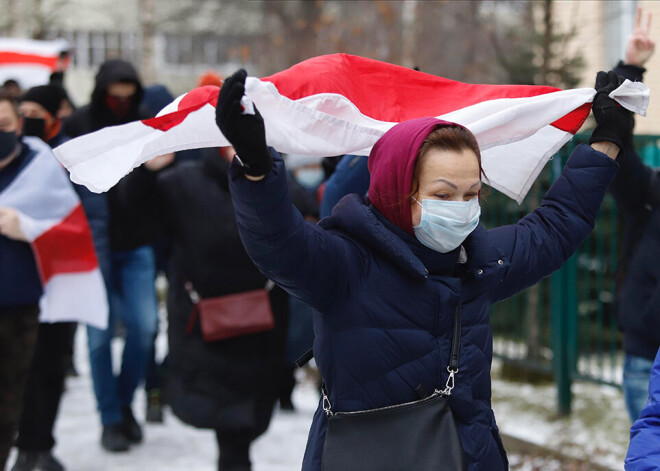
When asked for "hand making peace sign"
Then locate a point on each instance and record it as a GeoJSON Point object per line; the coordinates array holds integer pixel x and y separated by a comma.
{"type": "Point", "coordinates": [640, 46]}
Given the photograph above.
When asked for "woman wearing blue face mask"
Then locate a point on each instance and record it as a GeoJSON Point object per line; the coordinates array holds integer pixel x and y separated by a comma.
{"type": "Point", "coordinates": [388, 274]}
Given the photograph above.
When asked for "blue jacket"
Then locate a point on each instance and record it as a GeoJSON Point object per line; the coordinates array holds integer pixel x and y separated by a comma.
{"type": "Point", "coordinates": [96, 210]}
{"type": "Point", "coordinates": [644, 450]}
{"type": "Point", "coordinates": [350, 176]}
{"type": "Point", "coordinates": [386, 303]}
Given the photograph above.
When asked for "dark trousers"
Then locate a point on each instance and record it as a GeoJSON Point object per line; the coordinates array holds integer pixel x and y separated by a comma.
{"type": "Point", "coordinates": [18, 336]}
{"type": "Point", "coordinates": [45, 385]}
{"type": "Point", "coordinates": [234, 451]}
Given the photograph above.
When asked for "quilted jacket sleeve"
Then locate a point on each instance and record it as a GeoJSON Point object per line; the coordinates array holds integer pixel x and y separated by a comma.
{"type": "Point", "coordinates": [316, 266]}
{"type": "Point", "coordinates": [644, 449]}
{"type": "Point", "coordinates": [543, 240]}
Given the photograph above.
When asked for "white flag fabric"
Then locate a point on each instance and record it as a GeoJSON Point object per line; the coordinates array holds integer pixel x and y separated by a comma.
{"type": "Point", "coordinates": [53, 221]}
{"type": "Point", "coordinates": [342, 104]}
{"type": "Point", "coordinates": [29, 61]}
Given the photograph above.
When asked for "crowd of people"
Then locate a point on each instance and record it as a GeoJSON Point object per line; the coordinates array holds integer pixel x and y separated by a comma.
{"type": "Point", "coordinates": [379, 262]}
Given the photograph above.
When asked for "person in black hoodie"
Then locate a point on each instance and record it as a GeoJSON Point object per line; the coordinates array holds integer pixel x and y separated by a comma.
{"type": "Point", "coordinates": [116, 100]}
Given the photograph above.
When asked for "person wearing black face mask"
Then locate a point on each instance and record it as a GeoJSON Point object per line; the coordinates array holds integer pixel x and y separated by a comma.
{"type": "Point", "coordinates": [20, 285]}
{"type": "Point", "coordinates": [39, 109]}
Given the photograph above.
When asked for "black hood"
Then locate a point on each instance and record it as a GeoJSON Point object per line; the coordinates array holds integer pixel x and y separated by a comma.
{"type": "Point", "coordinates": [115, 70]}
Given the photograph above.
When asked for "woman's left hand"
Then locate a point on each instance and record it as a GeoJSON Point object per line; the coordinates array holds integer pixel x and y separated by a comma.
{"type": "Point", "coordinates": [614, 122]}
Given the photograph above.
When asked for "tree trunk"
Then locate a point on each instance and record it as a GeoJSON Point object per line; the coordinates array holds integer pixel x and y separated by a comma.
{"type": "Point", "coordinates": [408, 36]}
{"type": "Point", "coordinates": [547, 41]}
{"type": "Point", "coordinates": [146, 9]}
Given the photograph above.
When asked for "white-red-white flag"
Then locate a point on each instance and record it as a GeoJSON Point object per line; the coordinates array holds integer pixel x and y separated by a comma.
{"type": "Point", "coordinates": [29, 61]}
{"type": "Point", "coordinates": [342, 104]}
{"type": "Point", "coordinates": [53, 221]}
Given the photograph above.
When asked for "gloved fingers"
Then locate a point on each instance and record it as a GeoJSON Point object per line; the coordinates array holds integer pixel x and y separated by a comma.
{"type": "Point", "coordinates": [230, 111]}
{"type": "Point", "coordinates": [237, 77]}
{"type": "Point", "coordinates": [232, 86]}
{"type": "Point", "coordinates": [233, 93]}
{"type": "Point", "coordinates": [615, 79]}
{"type": "Point", "coordinates": [602, 79]}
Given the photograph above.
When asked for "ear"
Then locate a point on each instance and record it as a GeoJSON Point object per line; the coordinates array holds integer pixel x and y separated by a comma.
{"type": "Point", "coordinates": [19, 130]}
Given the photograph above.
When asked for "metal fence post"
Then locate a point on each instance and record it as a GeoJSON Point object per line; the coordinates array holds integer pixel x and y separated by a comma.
{"type": "Point", "coordinates": [564, 318]}
{"type": "Point", "coordinates": [560, 360]}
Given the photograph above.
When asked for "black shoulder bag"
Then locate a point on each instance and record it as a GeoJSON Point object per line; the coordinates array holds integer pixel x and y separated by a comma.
{"type": "Point", "coordinates": [415, 436]}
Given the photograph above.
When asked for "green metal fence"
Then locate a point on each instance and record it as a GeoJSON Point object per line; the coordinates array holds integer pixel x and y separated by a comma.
{"type": "Point", "coordinates": [566, 324]}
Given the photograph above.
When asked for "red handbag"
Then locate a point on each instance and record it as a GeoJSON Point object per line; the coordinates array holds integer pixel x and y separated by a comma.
{"type": "Point", "coordinates": [233, 315]}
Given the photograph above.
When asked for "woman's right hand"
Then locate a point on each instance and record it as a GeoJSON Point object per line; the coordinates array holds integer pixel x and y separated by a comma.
{"type": "Point", "coordinates": [245, 132]}
{"type": "Point", "coordinates": [614, 123]}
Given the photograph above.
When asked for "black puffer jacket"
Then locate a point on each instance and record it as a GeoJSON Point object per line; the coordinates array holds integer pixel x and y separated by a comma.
{"type": "Point", "coordinates": [230, 384]}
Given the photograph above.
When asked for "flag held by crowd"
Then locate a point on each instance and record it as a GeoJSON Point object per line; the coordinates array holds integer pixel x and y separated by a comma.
{"type": "Point", "coordinates": [342, 104]}
{"type": "Point", "coordinates": [29, 61]}
{"type": "Point", "coordinates": [55, 225]}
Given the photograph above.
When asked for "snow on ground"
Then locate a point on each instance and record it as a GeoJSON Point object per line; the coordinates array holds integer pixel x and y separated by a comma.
{"type": "Point", "coordinates": [597, 431]}
{"type": "Point", "coordinates": [173, 445]}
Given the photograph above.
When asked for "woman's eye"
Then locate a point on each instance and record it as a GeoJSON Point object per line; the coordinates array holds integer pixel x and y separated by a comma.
{"type": "Point", "coordinates": [471, 196]}
{"type": "Point", "coordinates": [442, 196]}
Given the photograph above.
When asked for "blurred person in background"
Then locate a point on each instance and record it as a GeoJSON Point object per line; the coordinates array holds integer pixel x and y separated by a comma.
{"type": "Point", "coordinates": [39, 111]}
{"type": "Point", "coordinates": [57, 78]}
{"type": "Point", "coordinates": [155, 98]}
{"type": "Point", "coordinates": [20, 284]}
{"type": "Point", "coordinates": [638, 277]}
{"type": "Point", "coordinates": [350, 176]}
{"type": "Point", "coordinates": [230, 385]}
{"type": "Point", "coordinates": [12, 89]}
{"type": "Point", "coordinates": [117, 99]}
{"type": "Point", "coordinates": [387, 275]}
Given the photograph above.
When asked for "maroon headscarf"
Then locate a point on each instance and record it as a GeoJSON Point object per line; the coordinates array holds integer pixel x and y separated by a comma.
{"type": "Point", "coordinates": [392, 164]}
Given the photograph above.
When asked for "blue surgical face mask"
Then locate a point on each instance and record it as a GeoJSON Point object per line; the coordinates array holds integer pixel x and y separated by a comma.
{"type": "Point", "coordinates": [310, 178]}
{"type": "Point", "coordinates": [446, 224]}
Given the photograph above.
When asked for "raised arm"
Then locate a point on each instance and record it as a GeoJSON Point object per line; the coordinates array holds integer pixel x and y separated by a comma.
{"type": "Point", "coordinates": [636, 185]}
{"type": "Point", "coordinates": [318, 267]}
{"type": "Point", "coordinates": [543, 240]}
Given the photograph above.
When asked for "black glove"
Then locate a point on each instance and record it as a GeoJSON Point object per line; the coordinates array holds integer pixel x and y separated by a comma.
{"type": "Point", "coordinates": [614, 123]}
{"type": "Point", "coordinates": [245, 132]}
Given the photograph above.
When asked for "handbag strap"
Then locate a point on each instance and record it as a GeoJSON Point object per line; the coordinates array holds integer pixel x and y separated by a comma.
{"type": "Point", "coordinates": [454, 352]}
{"type": "Point", "coordinates": [452, 367]}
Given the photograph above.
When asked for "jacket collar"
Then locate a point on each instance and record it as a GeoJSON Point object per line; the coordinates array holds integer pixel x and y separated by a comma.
{"type": "Point", "coordinates": [363, 222]}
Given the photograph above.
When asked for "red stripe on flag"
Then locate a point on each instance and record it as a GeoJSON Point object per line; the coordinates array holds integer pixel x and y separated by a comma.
{"type": "Point", "coordinates": [388, 92]}
{"type": "Point", "coordinates": [191, 101]}
{"type": "Point", "coordinates": [7, 57]}
{"type": "Point", "coordinates": [574, 120]}
{"type": "Point", "coordinates": [67, 247]}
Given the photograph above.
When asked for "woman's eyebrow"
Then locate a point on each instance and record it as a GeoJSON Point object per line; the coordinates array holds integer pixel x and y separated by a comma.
{"type": "Point", "coordinates": [476, 184]}
{"type": "Point", "coordinates": [445, 181]}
